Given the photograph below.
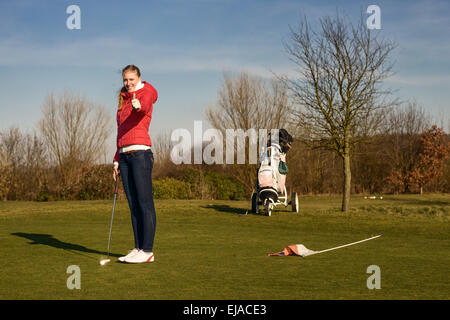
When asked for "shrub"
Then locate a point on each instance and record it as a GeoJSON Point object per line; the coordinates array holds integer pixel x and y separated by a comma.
{"type": "Point", "coordinates": [96, 183]}
{"type": "Point", "coordinates": [170, 188]}
{"type": "Point", "coordinates": [224, 188]}
{"type": "Point", "coordinates": [211, 185]}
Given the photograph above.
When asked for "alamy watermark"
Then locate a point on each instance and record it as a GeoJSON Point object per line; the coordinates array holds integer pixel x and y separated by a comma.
{"type": "Point", "coordinates": [74, 20]}
{"type": "Point", "coordinates": [373, 281]}
{"type": "Point", "coordinates": [74, 280]}
{"type": "Point", "coordinates": [212, 147]}
{"type": "Point", "coordinates": [374, 20]}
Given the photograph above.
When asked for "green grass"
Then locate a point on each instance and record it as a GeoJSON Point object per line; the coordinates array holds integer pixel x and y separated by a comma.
{"type": "Point", "coordinates": [210, 250]}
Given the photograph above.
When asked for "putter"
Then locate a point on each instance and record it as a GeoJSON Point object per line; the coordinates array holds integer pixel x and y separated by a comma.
{"type": "Point", "coordinates": [116, 189]}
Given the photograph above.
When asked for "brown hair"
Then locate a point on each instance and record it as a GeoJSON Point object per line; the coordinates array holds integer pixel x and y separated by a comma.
{"type": "Point", "coordinates": [128, 68]}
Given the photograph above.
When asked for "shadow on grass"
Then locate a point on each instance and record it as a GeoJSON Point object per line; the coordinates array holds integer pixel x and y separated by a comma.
{"type": "Point", "coordinates": [49, 240]}
{"type": "Point", "coordinates": [226, 208]}
{"type": "Point", "coordinates": [421, 202]}
{"type": "Point", "coordinates": [240, 211]}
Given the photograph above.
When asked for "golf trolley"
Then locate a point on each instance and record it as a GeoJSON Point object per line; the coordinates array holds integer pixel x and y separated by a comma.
{"type": "Point", "coordinates": [271, 179]}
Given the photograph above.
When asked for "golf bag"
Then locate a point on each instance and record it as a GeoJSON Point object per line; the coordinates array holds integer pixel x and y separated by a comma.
{"type": "Point", "coordinates": [272, 171]}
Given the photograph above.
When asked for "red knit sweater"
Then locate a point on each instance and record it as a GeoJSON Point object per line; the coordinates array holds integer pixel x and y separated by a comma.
{"type": "Point", "coordinates": [133, 124]}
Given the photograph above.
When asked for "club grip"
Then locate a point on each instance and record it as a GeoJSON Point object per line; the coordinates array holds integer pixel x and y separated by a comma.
{"type": "Point", "coordinates": [116, 184]}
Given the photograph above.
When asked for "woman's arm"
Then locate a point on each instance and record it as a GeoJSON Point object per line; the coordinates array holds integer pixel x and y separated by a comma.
{"type": "Point", "coordinates": [144, 103]}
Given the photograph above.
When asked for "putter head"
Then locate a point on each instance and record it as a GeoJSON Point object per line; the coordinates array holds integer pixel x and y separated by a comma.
{"type": "Point", "coordinates": [104, 261]}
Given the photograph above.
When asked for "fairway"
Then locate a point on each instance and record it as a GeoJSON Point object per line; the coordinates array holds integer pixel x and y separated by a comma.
{"type": "Point", "coordinates": [212, 250]}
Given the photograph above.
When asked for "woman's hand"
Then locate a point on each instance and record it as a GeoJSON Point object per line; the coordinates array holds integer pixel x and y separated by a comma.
{"type": "Point", "coordinates": [116, 171]}
{"type": "Point", "coordinates": [135, 102]}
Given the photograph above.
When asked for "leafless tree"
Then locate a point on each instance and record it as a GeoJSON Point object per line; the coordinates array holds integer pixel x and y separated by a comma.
{"type": "Point", "coordinates": [246, 102]}
{"type": "Point", "coordinates": [162, 146]}
{"type": "Point", "coordinates": [22, 156]}
{"type": "Point", "coordinates": [338, 91]}
{"type": "Point", "coordinates": [75, 131]}
{"type": "Point", "coordinates": [9, 144]}
{"type": "Point", "coordinates": [402, 130]}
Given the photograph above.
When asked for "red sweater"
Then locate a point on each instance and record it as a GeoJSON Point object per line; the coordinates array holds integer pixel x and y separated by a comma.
{"type": "Point", "coordinates": [133, 124]}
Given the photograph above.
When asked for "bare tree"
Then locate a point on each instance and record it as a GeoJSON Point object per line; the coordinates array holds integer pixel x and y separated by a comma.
{"type": "Point", "coordinates": [403, 128]}
{"type": "Point", "coordinates": [9, 156]}
{"type": "Point", "coordinates": [11, 145]}
{"type": "Point", "coordinates": [75, 131]}
{"type": "Point", "coordinates": [338, 92]}
{"type": "Point", "coordinates": [162, 145]}
{"type": "Point", "coordinates": [22, 156]}
{"type": "Point", "coordinates": [246, 102]}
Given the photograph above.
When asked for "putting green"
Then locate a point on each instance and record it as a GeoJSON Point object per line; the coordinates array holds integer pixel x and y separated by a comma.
{"type": "Point", "coordinates": [211, 250]}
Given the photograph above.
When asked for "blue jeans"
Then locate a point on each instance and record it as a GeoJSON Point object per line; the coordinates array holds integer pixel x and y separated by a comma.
{"type": "Point", "coordinates": [136, 171]}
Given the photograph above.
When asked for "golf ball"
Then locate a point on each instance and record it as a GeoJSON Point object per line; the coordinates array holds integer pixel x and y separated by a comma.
{"type": "Point", "coordinates": [102, 263]}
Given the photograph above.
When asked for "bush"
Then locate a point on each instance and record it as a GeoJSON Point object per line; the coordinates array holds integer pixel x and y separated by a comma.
{"type": "Point", "coordinates": [211, 185]}
{"type": "Point", "coordinates": [224, 188]}
{"type": "Point", "coordinates": [193, 183]}
{"type": "Point", "coordinates": [169, 188]}
{"type": "Point", "coordinates": [96, 183]}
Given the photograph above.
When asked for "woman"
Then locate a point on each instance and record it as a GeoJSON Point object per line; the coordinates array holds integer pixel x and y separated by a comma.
{"type": "Point", "coordinates": [134, 160]}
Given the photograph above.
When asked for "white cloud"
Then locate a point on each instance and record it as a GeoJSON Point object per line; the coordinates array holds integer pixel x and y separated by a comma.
{"type": "Point", "coordinates": [420, 80]}
{"type": "Point", "coordinates": [100, 51]}
{"type": "Point", "coordinates": [110, 52]}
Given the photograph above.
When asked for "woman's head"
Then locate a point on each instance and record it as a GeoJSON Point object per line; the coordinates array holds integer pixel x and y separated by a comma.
{"type": "Point", "coordinates": [131, 76]}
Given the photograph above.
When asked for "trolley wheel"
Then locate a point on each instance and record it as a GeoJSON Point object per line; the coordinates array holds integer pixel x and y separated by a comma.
{"type": "Point", "coordinates": [268, 207]}
{"type": "Point", "coordinates": [294, 202]}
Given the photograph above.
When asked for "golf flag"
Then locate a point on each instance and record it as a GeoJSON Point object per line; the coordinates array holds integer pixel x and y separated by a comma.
{"type": "Point", "coordinates": [302, 251]}
{"type": "Point", "coordinates": [293, 250]}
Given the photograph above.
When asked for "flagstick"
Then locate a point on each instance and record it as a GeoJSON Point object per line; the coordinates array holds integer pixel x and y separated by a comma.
{"type": "Point", "coordinates": [345, 245]}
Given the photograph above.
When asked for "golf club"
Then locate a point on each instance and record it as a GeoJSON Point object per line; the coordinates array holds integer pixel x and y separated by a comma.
{"type": "Point", "coordinates": [116, 189]}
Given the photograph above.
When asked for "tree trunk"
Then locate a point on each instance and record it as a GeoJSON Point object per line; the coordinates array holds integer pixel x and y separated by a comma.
{"type": "Point", "coordinates": [347, 182]}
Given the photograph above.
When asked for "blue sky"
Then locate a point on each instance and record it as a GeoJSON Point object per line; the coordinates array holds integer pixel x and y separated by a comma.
{"type": "Point", "coordinates": [183, 48]}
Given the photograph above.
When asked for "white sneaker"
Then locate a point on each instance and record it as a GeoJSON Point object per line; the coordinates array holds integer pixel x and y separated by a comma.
{"type": "Point", "coordinates": [129, 255]}
{"type": "Point", "coordinates": [141, 257]}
